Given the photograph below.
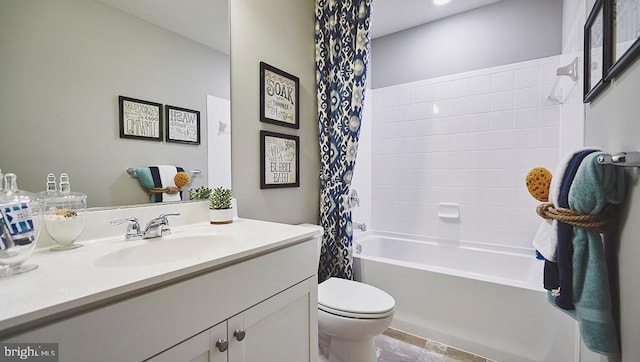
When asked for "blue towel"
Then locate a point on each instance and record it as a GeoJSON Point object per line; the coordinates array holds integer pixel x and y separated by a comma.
{"type": "Point", "coordinates": [564, 299]}
{"type": "Point", "coordinates": [593, 187]}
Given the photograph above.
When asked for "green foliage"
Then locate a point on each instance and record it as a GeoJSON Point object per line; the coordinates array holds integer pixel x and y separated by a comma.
{"type": "Point", "coordinates": [220, 199]}
{"type": "Point", "coordinates": [201, 193]}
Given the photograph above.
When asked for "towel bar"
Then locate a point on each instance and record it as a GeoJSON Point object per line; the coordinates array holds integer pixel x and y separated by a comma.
{"type": "Point", "coordinates": [132, 171]}
{"type": "Point", "coordinates": [623, 159]}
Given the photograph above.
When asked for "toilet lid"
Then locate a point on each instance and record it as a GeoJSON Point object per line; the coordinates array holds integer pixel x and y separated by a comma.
{"type": "Point", "coordinates": [354, 299]}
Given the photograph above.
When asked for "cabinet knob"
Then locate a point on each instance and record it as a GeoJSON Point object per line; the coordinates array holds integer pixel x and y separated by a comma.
{"type": "Point", "coordinates": [222, 344]}
{"type": "Point", "coordinates": [239, 334]}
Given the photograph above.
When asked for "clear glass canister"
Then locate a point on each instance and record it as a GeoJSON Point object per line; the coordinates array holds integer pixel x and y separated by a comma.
{"type": "Point", "coordinates": [20, 226]}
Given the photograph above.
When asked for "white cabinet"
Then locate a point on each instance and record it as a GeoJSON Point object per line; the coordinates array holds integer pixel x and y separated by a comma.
{"type": "Point", "coordinates": [199, 348]}
{"type": "Point", "coordinates": [271, 296]}
{"type": "Point", "coordinates": [274, 330]}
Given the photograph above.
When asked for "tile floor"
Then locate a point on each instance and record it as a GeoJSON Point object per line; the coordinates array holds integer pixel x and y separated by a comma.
{"type": "Point", "coordinates": [397, 346]}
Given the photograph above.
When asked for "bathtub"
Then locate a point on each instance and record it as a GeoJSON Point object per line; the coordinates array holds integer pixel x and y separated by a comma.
{"type": "Point", "coordinates": [484, 299]}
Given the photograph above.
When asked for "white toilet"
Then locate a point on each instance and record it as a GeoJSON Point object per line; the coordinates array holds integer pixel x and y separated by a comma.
{"type": "Point", "coordinates": [350, 315]}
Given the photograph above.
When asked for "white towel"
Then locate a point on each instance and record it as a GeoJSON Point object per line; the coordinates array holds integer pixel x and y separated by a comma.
{"type": "Point", "coordinates": [546, 239]}
{"type": "Point", "coordinates": [167, 174]}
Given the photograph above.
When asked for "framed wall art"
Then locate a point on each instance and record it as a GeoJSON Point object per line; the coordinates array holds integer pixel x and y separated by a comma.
{"type": "Point", "coordinates": [624, 27]}
{"type": "Point", "coordinates": [596, 52]}
{"type": "Point", "coordinates": [279, 97]}
{"type": "Point", "coordinates": [279, 160]}
{"type": "Point", "coordinates": [183, 125]}
{"type": "Point", "coordinates": [140, 119]}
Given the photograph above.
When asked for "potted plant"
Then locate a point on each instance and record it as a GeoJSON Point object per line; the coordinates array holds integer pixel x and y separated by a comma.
{"type": "Point", "coordinates": [201, 193]}
{"type": "Point", "coordinates": [220, 211]}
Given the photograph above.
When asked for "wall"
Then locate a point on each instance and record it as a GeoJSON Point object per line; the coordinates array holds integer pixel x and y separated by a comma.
{"type": "Point", "coordinates": [63, 65]}
{"type": "Point", "coordinates": [485, 37]}
{"type": "Point", "coordinates": [470, 139]}
{"type": "Point", "coordinates": [613, 123]}
{"type": "Point", "coordinates": [280, 33]}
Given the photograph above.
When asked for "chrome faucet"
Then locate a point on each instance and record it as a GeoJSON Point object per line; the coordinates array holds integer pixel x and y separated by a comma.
{"type": "Point", "coordinates": [356, 225]}
{"type": "Point", "coordinates": [155, 228]}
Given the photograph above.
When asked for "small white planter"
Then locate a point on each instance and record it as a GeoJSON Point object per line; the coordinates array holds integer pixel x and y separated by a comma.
{"type": "Point", "coordinates": [220, 216]}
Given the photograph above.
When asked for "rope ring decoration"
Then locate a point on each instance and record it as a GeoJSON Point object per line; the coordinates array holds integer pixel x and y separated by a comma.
{"type": "Point", "coordinates": [601, 222]}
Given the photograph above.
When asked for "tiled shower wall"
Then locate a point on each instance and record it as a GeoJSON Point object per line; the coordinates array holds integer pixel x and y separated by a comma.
{"type": "Point", "coordinates": [467, 139]}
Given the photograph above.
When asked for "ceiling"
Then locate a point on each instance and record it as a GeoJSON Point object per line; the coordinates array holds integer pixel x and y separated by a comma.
{"type": "Point", "coordinates": [207, 21]}
{"type": "Point", "coordinates": [390, 16]}
{"type": "Point", "coordinates": [204, 21]}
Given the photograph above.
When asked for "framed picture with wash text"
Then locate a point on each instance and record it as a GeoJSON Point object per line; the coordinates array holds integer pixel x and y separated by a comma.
{"type": "Point", "coordinates": [183, 125]}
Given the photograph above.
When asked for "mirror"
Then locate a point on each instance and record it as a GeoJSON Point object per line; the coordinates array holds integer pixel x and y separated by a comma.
{"type": "Point", "coordinates": [65, 62]}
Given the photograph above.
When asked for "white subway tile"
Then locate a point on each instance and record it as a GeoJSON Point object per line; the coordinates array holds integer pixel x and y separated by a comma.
{"type": "Point", "coordinates": [503, 81]}
{"type": "Point", "coordinates": [502, 120]}
{"type": "Point", "coordinates": [527, 77]}
{"type": "Point", "coordinates": [390, 97]}
{"type": "Point", "coordinates": [480, 122]}
{"type": "Point", "coordinates": [501, 101]}
{"type": "Point", "coordinates": [443, 90]}
{"type": "Point", "coordinates": [459, 106]}
{"type": "Point", "coordinates": [406, 96]}
{"type": "Point", "coordinates": [550, 116]}
{"type": "Point", "coordinates": [526, 118]}
{"type": "Point", "coordinates": [459, 124]}
{"type": "Point", "coordinates": [502, 139]}
{"type": "Point", "coordinates": [526, 138]}
{"type": "Point", "coordinates": [480, 103]}
{"type": "Point", "coordinates": [549, 137]}
{"type": "Point", "coordinates": [460, 88]}
{"type": "Point", "coordinates": [480, 84]}
{"type": "Point", "coordinates": [425, 93]}
{"type": "Point", "coordinates": [526, 98]}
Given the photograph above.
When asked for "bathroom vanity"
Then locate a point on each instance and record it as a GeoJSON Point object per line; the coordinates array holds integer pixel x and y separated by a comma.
{"type": "Point", "coordinates": [246, 291]}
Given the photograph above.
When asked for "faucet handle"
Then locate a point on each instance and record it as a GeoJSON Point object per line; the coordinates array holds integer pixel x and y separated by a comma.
{"type": "Point", "coordinates": [165, 226]}
{"type": "Point", "coordinates": [133, 227]}
{"type": "Point", "coordinates": [164, 216]}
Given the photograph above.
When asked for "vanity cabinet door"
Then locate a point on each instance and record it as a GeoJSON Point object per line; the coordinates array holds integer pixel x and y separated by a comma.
{"type": "Point", "coordinates": [203, 347]}
{"type": "Point", "coordinates": [275, 330]}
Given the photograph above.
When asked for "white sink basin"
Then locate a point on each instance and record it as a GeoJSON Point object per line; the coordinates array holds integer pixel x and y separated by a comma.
{"type": "Point", "coordinates": [167, 249]}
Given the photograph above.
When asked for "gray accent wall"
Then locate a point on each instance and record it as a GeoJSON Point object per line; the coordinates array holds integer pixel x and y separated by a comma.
{"type": "Point", "coordinates": [63, 64]}
{"type": "Point", "coordinates": [506, 32]}
{"type": "Point", "coordinates": [613, 123]}
{"type": "Point", "coordinates": [280, 33]}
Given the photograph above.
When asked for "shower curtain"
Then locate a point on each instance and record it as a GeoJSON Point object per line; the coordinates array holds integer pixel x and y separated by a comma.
{"type": "Point", "coordinates": [342, 53]}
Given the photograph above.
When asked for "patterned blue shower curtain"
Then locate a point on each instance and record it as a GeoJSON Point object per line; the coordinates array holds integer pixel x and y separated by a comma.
{"type": "Point", "coordinates": [342, 53]}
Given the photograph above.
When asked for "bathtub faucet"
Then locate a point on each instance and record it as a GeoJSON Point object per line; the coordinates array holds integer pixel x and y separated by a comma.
{"type": "Point", "coordinates": [356, 225]}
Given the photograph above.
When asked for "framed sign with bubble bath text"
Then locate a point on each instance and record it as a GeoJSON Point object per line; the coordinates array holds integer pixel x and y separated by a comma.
{"type": "Point", "coordinates": [279, 160]}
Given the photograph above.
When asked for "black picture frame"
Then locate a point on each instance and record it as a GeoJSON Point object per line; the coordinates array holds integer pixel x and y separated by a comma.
{"type": "Point", "coordinates": [182, 125]}
{"type": "Point", "coordinates": [140, 119]}
{"type": "Point", "coordinates": [624, 36]}
{"type": "Point", "coordinates": [279, 97]}
{"type": "Point", "coordinates": [279, 160]}
{"type": "Point", "coordinates": [596, 33]}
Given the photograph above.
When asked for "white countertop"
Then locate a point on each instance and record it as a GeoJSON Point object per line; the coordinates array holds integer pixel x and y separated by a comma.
{"type": "Point", "coordinates": [73, 280]}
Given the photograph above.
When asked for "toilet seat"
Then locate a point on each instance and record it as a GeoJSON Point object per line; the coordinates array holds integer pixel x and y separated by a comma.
{"type": "Point", "coordinates": [351, 299]}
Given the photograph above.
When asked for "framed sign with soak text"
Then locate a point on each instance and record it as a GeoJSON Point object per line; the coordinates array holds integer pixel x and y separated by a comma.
{"type": "Point", "coordinates": [279, 96]}
{"type": "Point", "coordinates": [279, 160]}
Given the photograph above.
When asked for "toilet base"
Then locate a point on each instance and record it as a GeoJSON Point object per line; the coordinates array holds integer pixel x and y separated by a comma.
{"type": "Point", "coordinates": [344, 350]}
